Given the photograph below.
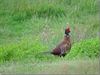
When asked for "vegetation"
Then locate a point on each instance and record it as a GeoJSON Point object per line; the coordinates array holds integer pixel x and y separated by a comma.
{"type": "Point", "coordinates": [30, 27]}
{"type": "Point", "coordinates": [85, 49]}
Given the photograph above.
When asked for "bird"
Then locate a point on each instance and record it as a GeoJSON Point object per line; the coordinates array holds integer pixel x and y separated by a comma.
{"type": "Point", "coordinates": [64, 46]}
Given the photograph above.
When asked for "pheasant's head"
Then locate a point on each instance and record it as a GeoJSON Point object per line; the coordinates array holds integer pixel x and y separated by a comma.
{"type": "Point", "coordinates": [67, 30]}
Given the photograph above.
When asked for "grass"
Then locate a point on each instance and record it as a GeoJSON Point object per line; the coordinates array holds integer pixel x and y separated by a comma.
{"type": "Point", "coordinates": [29, 27]}
{"type": "Point", "coordinates": [85, 49]}
{"type": "Point", "coordinates": [80, 66]}
{"type": "Point", "coordinates": [24, 49]}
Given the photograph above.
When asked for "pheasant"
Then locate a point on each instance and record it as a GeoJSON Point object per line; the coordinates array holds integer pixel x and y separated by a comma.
{"type": "Point", "coordinates": [65, 45]}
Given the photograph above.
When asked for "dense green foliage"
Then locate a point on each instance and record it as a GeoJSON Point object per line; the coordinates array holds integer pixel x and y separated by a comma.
{"type": "Point", "coordinates": [29, 27]}
{"type": "Point", "coordinates": [85, 49]}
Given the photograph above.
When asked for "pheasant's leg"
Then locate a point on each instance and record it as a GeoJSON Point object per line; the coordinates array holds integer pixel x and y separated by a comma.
{"type": "Point", "coordinates": [64, 54]}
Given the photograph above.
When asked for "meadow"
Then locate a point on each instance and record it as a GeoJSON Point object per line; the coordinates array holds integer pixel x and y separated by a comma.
{"type": "Point", "coordinates": [29, 27]}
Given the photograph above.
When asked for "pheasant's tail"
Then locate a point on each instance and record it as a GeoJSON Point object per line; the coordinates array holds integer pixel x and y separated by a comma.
{"type": "Point", "coordinates": [47, 52]}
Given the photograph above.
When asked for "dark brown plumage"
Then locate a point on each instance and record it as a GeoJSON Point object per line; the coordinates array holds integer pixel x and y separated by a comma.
{"type": "Point", "coordinates": [65, 45]}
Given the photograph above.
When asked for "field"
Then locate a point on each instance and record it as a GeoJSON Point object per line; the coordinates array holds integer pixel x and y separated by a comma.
{"type": "Point", "coordinates": [30, 27]}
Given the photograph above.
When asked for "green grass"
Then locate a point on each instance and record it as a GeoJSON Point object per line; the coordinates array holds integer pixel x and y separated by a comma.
{"type": "Point", "coordinates": [25, 50]}
{"type": "Point", "coordinates": [30, 27]}
{"type": "Point", "coordinates": [85, 49]}
{"type": "Point", "coordinates": [60, 67]}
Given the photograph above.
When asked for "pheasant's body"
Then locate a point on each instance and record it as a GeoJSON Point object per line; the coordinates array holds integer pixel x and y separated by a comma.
{"type": "Point", "coordinates": [65, 45]}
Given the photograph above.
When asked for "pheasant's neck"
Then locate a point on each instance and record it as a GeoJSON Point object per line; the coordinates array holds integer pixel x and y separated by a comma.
{"type": "Point", "coordinates": [67, 37]}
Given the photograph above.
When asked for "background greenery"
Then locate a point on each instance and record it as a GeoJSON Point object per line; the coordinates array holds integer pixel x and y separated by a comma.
{"type": "Point", "coordinates": [30, 27]}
